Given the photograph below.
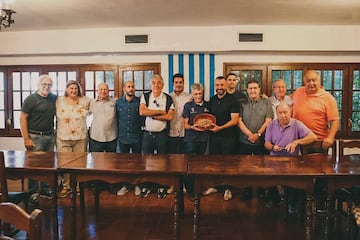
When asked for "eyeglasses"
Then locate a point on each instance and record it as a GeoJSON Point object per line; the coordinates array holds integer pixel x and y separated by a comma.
{"type": "Point", "coordinates": [156, 103]}
{"type": "Point", "coordinates": [46, 84]}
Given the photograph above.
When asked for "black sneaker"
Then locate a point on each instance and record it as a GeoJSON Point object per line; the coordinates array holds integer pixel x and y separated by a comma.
{"type": "Point", "coordinates": [34, 200]}
{"type": "Point", "coordinates": [144, 192]}
{"type": "Point", "coordinates": [246, 194]}
{"type": "Point", "coordinates": [161, 192]}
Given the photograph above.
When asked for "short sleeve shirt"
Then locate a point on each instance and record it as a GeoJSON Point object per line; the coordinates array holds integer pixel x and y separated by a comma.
{"type": "Point", "coordinates": [41, 112]}
{"type": "Point", "coordinates": [191, 110]}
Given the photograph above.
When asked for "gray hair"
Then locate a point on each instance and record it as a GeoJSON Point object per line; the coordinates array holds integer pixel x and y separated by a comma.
{"type": "Point", "coordinates": [197, 86]}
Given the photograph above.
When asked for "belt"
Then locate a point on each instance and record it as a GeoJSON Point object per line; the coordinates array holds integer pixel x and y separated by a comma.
{"type": "Point", "coordinates": [46, 133]}
{"type": "Point", "coordinates": [154, 133]}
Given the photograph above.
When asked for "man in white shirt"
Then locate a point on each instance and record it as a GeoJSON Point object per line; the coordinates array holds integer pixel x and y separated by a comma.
{"type": "Point", "coordinates": [177, 131]}
{"type": "Point", "coordinates": [103, 130]}
{"type": "Point", "coordinates": [158, 108]}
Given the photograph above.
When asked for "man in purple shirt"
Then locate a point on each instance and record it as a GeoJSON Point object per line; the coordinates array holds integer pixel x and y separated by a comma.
{"type": "Point", "coordinates": [284, 135]}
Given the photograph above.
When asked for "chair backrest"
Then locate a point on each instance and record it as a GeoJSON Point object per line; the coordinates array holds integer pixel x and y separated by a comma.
{"type": "Point", "coordinates": [316, 148]}
{"type": "Point", "coordinates": [348, 144]}
{"type": "Point", "coordinates": [11, 213]}
{"type": "Point", "coordinates": [3, 181]}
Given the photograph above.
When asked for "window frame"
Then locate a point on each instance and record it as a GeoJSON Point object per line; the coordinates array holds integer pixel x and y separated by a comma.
{"type": "Point", "coordinates": [347, 68]}
{"type": "Point", "coordinates": [80, 69]}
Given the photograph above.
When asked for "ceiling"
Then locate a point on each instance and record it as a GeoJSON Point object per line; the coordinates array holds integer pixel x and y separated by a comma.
{"type": "Point", "coordinates": [74, 14]}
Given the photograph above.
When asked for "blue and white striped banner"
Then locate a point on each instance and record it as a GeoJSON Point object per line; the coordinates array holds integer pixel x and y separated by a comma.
{"type": "Point", "coordinates": [197, 68]}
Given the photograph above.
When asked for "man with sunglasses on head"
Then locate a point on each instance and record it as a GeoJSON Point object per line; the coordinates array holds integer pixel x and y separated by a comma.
{"type": "Point", "coordinates": [158, 108]}
{"type": "Point", "coordinates": [37, 128]}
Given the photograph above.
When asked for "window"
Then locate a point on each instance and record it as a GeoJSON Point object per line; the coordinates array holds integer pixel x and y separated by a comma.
{"type": "Point", "coordinates": [246, 73]}
{"type": "Point", "coordinates": [18, 82]}
{"type": "Point", "coordinates": [353, 120]}
{"type": "Point", "coordinates": [2, 100]}
{"type": "Point", "coordinates": [341, 80]}
{"type": "Point", "coordinates": [292, 76]}
{"type": "Point", "coordinates": [94, 75]}
{"type": "Point", "coordinates": [141, 75]}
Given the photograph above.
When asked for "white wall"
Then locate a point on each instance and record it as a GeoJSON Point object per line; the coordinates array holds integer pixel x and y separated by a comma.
{"type": "Point", "coordinates": [182, 39]}
{"type": "Point", "coordinates": [101, 46]}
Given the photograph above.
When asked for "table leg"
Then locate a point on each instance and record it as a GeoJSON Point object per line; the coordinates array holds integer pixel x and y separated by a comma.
{"type": "Point", "coordinates": [54, 211]}
{"type": "Point", "coordinates": [181, 198]}
{"type": "Point", "coordinates": [196, 216]}
{"type": "Point", "coordinates": [97, 192]}
{"type": "Point", "coordinates": [328, 214]}
{"type": "Point", "coordinates": [176, 216]}
{"type": "Point", "coordinates": [82, 198]}
{"type": "Point", "coordinates": [286, 201]}
{"type": "Point", "coordinates": [309, 214]}
{"type": "Point", "coordinates": [73, 205]}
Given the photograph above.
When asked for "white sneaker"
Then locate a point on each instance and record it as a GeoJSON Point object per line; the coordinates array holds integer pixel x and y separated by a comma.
{"type": "Point", "coordinates": [210, 191]}
{"type": "Point", "coordinates": [170, 189]}
{"type": "Point", "coordinates": [122, 191]}
{"type": "Point", "coordinates": [137, 190]}
{"type": "Point", "coordinates": [227, 195]}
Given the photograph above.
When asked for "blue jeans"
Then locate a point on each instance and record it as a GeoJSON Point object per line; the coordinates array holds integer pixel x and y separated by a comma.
{"type": "Point", "coordinates": [154, 141]}
{"type": "Point", "coordinates": [195, 147]}
{"type": "Point", "coordinates": [43, 143]}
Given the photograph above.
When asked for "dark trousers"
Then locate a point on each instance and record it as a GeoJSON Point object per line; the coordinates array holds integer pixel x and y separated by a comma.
{"type": "Point", "coordinates": [154, 142]}
{"type": "Point", "coordinates": [222, 145]}
{"type": "Point", "coordinates": [246, 149]}
{"type": "Point", "coordinates": [95, 146]}
{"type": "Point", "coordinates": [176, 145]}
{"type": "Point", "coordinates": [197, 148]}
{"type": "Point", "coordinates": [133, 147]}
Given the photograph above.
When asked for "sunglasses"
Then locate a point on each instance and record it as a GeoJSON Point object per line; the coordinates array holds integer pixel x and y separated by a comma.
{"type": "Point", "coordinates": [156, 103]}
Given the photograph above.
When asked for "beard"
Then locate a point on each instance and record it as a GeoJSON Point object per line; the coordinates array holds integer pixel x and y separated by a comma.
{"type": "Point", "coordinates": [220, 92]}
{"type": "Point", "coordinates": [130, 93]}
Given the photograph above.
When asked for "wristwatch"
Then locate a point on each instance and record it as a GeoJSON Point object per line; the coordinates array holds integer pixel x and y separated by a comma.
{"type": "Point", "coordinates": [259, 134]}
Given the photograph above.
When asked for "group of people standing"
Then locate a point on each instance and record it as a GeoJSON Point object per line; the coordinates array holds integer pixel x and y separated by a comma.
{"type": "Point", "coordinates": [160, 123]}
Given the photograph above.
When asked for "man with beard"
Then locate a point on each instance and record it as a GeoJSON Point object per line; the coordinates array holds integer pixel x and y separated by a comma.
{"type": "Point", "coordinates": [129, 120]}
{"type": "Point", "coordinates": [231, 88]}
{"type": "Point", "coordinates": [224, 108]}
{"type": "Point", "coordinates": [177, 131]}
{"type": "Point", "coordinates": [223, 137]}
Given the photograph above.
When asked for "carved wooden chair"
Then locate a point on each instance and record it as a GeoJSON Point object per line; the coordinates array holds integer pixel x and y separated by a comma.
{"type": "Point", "coordinates": [350, 196]}
{"type": "Point", "coordinates": [12, 214]}
{"type": "Point", "coordinates": [5, 196]}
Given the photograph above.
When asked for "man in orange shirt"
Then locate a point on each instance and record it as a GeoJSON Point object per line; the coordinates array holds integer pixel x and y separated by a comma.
{"type": "Point", "coordinates": [317, 109]}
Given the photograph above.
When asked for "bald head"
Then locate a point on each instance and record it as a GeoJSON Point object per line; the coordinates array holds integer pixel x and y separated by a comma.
{"type": "Point", "coordinates": [312, 82]}
{"type": "Point", "coordinates": [103, 91]}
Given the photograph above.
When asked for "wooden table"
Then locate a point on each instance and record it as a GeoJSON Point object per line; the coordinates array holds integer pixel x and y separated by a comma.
{"type": "Point", "coordinates": [254, 171]}
{"type": "Point", "coordinates": [343, 172]}
{"type": "Point", "coordinates": [40, 166]}
{"type": "Point", "coordinates": [132, 168]}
